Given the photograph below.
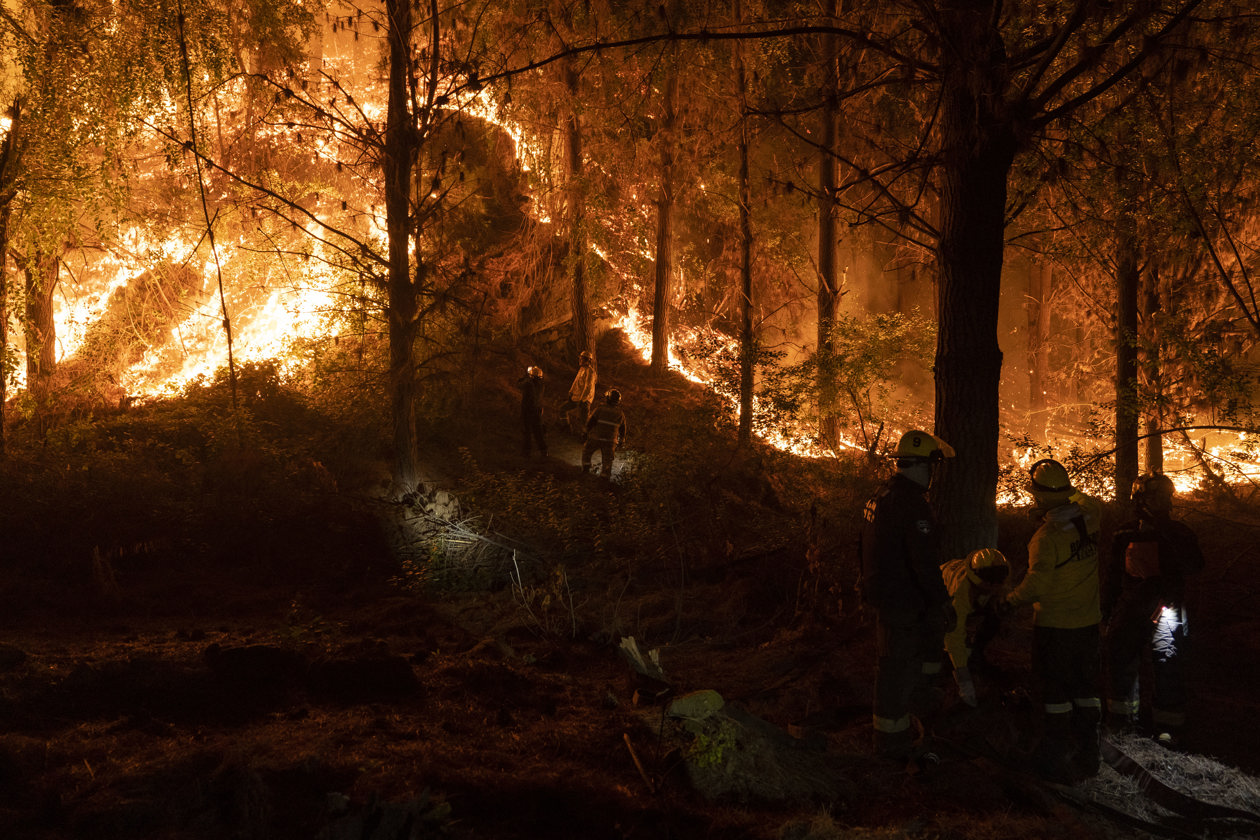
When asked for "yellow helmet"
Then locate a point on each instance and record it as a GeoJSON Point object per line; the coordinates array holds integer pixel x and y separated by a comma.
{"type": "Point", "coordinates": [534, 372]}
{"type": "Point", "coordinates": [1049, 483]}
{"type": "Point", "coordinates": [987, 565]}
{"type": "Point", "coordinates": [918, 444]}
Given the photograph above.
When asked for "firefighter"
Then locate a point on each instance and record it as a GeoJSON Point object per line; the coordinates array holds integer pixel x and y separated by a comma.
{"type": "Point", "coordinates": [1062, 584]}
{"type": "Point", "coordinates": [1145, 600]}
{"type": "Point", "coordinates": [532, 386]}
{"type": "Point", "coordinates": [975, 585]}
{"type": "Point", "coordinates": [901, 581]}
{"type": "Point", "coordinates": [605, 431]}
{"type": "Point", "coordinates": [581, 394]}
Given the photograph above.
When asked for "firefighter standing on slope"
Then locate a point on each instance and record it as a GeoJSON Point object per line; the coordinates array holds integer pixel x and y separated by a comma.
{"type": "Point", "coordinates": [975, 585]}
{"type": "Point", "coordinates": [1062, 584]}
{"type": "Point", "coordinates": [581, 393]}
{"type": "Point", "coordinates": [605, 431]}
{"type": "Point", "coordinates": [532, 386]}
{"type": "Point", "coordinates": [1145, 599]}
{"type": "Point", "coordinates": [901, 580]}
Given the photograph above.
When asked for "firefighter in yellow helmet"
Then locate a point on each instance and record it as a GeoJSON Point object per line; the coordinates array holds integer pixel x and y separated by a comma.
{"type": "Point", "coordinates": [1144, 595]}
{"type": "Point", "coordinates": [901, 581]}
{"type": "Point", "coordinates": [976, 585]}
{"type": "Point", "coordinates": [1062, 586]}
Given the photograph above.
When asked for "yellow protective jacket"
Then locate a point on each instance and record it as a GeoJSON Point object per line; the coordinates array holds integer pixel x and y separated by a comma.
{"type": "Point", "coordinates": [968, 599]}
{"type": "Point", "coordinates": [1062, 579]}
{"type": "Point", "coordinates": [583, 387]}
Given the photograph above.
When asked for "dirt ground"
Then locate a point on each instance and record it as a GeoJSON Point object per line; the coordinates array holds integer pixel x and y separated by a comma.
{"type": "Point", "coordinates": [293, 699]}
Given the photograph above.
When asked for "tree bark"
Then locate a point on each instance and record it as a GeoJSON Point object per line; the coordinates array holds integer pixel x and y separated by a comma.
{"type": "Point", "coordinates": [10, 151]}
{"type": "Point", "coordinates": [978, 149]}
{"type": "Point", "coordinates": [6, 213]}
{"type": "Point", "coordinates": [664, 286]}
{"type": "Point", "coordinates": [398, 164]}
{"type": "Point", "coordinates": [1150, 365]}
{"type": "Point", "coordinates": [582, 336]}
{"type": "Point", "coordinates": [828, 288]}
{"type": "Point", "coordinates": [1127, 410]}
{"type": "Point", "coordinates": [747, 342]}
{"type": "Point", "coordinates": [1037, 306]}
{"type": "Point", "coordinates": [42, 273]}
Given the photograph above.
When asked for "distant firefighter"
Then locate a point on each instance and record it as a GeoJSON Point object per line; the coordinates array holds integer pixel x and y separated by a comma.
{"type": "Point", "coordinates": [975, 585]}
{"type": "Point", "coordinates": [1062, 584]}
{"type": "Point", "coordinates": [605, 431]}
{"type": "Point", "coordinates": [901, 581]}
{"type": "Point", "coordinates": [532, 386]}
{"type": "Point", "coordinates": [1145, 598]}
{"type": "Point", "coordinates": [581, 394]}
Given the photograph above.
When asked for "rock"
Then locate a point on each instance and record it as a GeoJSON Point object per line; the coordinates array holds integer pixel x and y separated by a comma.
{"type": "Point", "coordinates": [698, 705]}
{"type": "Point", "coordinates": [731, 754]}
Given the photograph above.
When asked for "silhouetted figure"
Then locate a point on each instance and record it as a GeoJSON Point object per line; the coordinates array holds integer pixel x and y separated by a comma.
{"type": "Point", "coordinates": [532, 385]}
{"type": "Point", "coordinates": [1146, 600]}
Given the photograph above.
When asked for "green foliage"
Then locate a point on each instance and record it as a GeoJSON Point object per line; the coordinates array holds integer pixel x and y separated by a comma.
{"type": "Point", "coordinates": [859, 379]}
{"type": "Point", "coordinates": [712, 741]}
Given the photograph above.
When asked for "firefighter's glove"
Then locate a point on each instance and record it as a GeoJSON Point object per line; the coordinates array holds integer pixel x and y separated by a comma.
{"type": "Point", "coordinates": [966, 686]}
{"type": "Point", "coordinates": [949, 617]}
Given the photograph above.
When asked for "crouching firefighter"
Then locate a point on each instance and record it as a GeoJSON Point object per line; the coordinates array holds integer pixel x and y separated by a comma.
{"type": "Point", "coordinates": [1145, 597]}
{"type": "Point", "coordinates": [901, 581]}
{"type": "Point", "coordinates": [1062, 584]}
{"type": "Point", "coordinates": [976, 586]}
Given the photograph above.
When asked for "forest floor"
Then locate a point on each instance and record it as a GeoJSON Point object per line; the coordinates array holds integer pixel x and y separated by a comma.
{"type": "Point", "coordinates": [314, 692]}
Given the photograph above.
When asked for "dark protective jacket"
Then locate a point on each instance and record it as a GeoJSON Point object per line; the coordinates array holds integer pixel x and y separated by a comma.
{"type": "Point", "coordinates": [607, 423]}
{"type": "Point", "coordinates": [531, 395]}
{"type": "Point", "coordinates": [1153, 555]}
{"type": "Point", "coordinates": [1062, 579]}
{"type": "Point", "coordinates": [901, 554]}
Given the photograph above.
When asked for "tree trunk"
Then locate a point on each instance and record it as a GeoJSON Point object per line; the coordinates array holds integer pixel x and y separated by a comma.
{"type": "Point", "coordinates": [1037, 306]}
{"type": "Point", "coordinates": [828, 288]}
{"type": "Point", "coordinates": [398, 164]}
{"type": "Point", "coordinates": [747, 343]}
{"type": "Point", "coordinates": [1150, 365]}
{"type": "Point", "coordinates": [978, 149]}
{"type": "Point", "coordinates": [582, 336]}
{"type": "Point", "coordinates": [664, 287]}
{"type": "Point", "coordinates": [6, 212]}
{"type": "Point", "coordinates": [42, 273]}
{"type": "Point", "coordinates": [1127, 410]}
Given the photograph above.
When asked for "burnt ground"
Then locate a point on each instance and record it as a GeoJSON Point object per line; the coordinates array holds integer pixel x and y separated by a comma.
{"type": "Point", "coordinates": [314, 690]}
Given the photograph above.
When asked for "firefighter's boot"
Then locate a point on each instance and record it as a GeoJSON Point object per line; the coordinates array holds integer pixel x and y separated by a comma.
{"type": "Point", "coordinates": [1085, 729]}
{"type": "Point", "coordinates": [1050, 758]}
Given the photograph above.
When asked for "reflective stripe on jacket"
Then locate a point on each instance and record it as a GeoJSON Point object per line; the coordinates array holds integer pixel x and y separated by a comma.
{"type": "Point", "coordinates": [608, 423]}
